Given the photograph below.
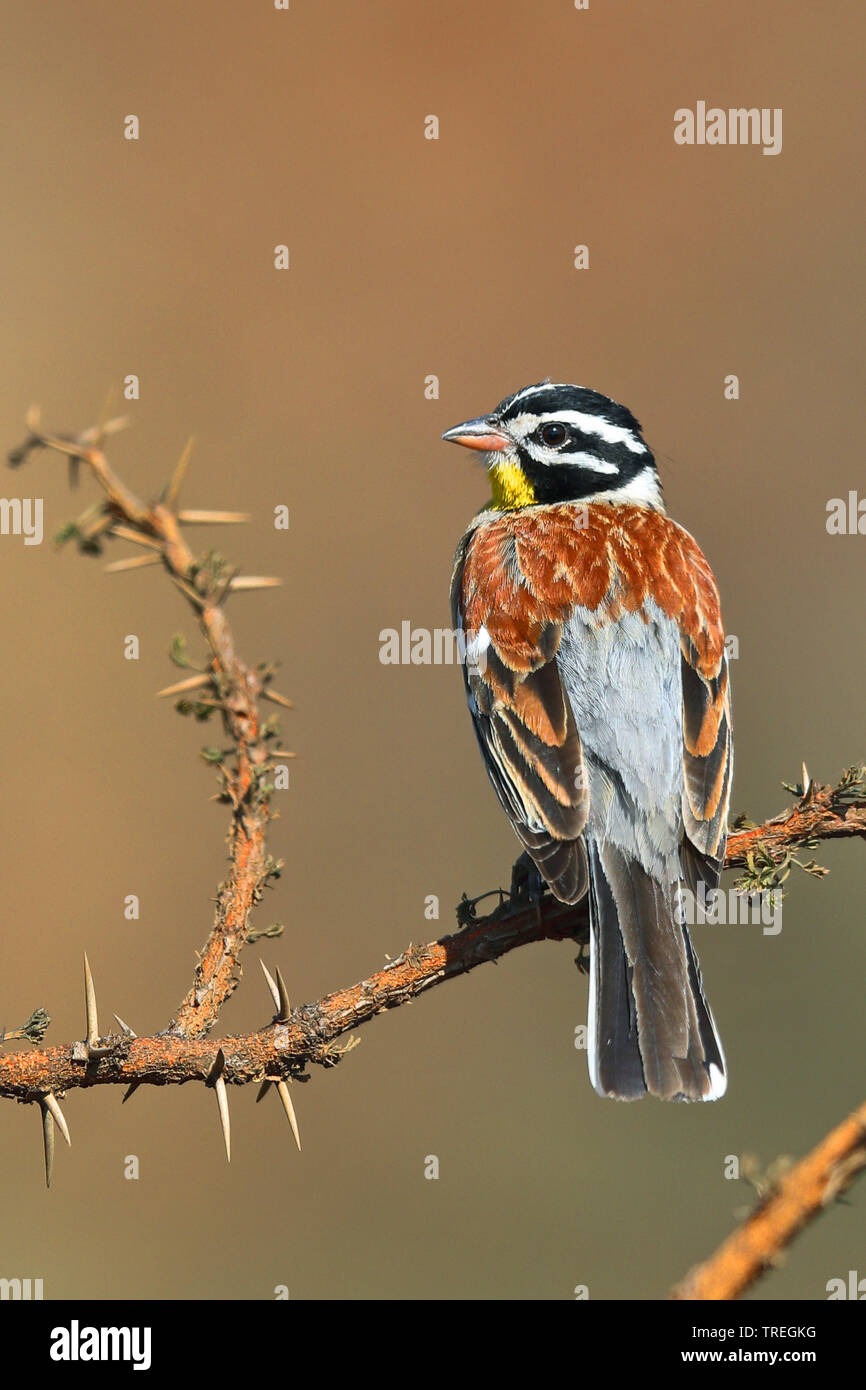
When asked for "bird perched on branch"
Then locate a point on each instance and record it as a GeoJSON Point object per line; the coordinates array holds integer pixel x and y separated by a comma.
{"type": "Point", "coordinates": [597, 679]}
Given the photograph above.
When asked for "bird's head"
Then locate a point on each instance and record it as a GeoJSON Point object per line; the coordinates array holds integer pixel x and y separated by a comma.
{"type": "Point", "coordinates": [558, 443]}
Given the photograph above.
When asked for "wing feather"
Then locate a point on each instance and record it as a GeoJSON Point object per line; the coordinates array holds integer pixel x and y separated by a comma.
{"type": "Point", "coordinates": [530, 744]}
{"type": "Point", "coordinates": [707, 764]}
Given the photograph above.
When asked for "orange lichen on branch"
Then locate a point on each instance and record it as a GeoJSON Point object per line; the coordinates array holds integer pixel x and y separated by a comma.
{"type": "Point", "coordinates": [822, 813]}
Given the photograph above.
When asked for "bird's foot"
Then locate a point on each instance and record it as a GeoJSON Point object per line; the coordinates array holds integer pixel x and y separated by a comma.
{"type": "Point", "coordinates": [527, 885]}
{"type": "Point", "coordinates": [527, 889]}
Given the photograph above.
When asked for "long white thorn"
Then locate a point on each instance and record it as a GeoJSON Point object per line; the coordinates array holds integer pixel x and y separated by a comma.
{"type": "Point", "coordinates": [254, 581]}
{"type": "Point", "coordinates": [196, 599]}
{"type": "Point", "coordinates": [128, 533]}
{"type": "Point", "coordinates": [172, 487]}
{"type": "Point", "coordinates": [284, 1008]}
{"type": "Point", "coordinates": [47, 1141]}
{"type": "Point", "coordinates": [92, 1021]}
{"type": "Point", "coordinates": [218, 1081]}
{"type": "Point", "coordinates": [190, 683]}
{"type": "Point", "coordinates": [135, 562]}
{"type": "Point", "coordinates": [60, 1119]}
{"type": "Point", "coordinates": [272, 986]}
{"type": "Point", "coordinates": [283, 1092]}
{"type": "Point", "coordinates": [277, 699]}
{"type": "Point", "coordinates": [225, 1123]}
{"type": "Point", "coordinates": [199, 517]}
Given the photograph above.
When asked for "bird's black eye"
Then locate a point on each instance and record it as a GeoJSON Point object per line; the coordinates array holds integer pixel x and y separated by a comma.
{"type": "Point", "coordinates": [553, 434]}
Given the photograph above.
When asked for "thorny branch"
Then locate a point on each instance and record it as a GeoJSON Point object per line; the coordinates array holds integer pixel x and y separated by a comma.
{"type": "Point", "coordinates": [308, 1034]}
{"type": "Point", "coordinates": [227, 685]}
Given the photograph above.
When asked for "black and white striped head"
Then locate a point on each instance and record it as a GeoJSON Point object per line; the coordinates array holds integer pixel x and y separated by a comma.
{"type": "Point", "coordinates": [559, 443]}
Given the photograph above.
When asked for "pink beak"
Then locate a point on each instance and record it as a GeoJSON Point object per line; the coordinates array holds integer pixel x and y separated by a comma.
{"type": "Point", "coordinates": [481, 433]}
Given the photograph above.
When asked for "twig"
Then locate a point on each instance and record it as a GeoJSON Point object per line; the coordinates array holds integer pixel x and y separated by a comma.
{"type": "Point", "coordinates": [821, 813]}
{"type": "Point", "coordinates": [796, 1199]}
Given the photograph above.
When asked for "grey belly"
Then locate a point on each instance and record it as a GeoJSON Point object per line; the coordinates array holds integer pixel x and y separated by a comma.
{"type": "Point", "coordinates": [624, 682]}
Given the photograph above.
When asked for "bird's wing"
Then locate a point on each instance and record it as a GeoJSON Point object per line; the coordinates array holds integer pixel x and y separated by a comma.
{"type": "Point", "coordinates": [707, 766]}
{"type": "Point", "coordinates": [707, 727]}
{"type": "Point", "coordinates": [520, 709]}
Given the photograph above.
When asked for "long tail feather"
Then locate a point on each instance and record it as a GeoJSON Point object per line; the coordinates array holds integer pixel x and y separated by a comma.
{"type": "Point", "coordinates": [650, 1027]}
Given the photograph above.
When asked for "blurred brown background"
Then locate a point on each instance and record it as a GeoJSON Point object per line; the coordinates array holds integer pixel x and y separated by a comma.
{"type": "Point", "coordinates": [412, 257]}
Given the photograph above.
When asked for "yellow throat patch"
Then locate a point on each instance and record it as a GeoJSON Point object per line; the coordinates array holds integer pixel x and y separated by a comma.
{"type": "Point", "coordinates": [510, 487]}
